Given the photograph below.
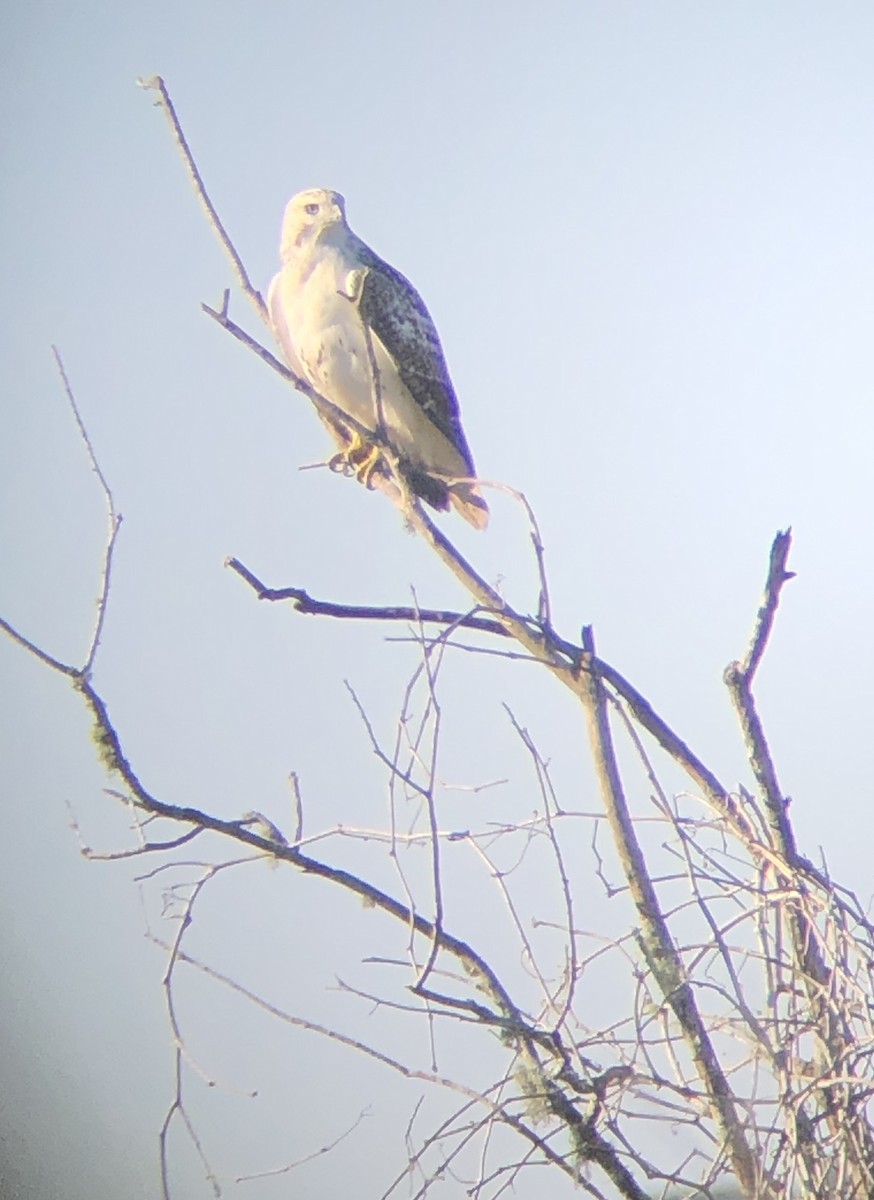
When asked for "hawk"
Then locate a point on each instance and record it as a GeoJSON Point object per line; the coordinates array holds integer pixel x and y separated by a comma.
{"type": "Point", "coordinates": [359, 333]}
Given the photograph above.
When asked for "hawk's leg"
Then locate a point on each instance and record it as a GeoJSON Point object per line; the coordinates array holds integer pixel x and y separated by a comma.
{"type": "Point", "coordinates": [360, 458]}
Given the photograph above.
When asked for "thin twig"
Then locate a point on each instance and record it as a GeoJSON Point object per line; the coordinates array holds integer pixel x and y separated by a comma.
{"type": "Point", "coordinates": [220, 316]}
{"type": "Point", "coordinates": [299, 1162]}
{"type": "Point", "coordinates": [32, 648]}
{"type": "Point", "coordinates": [156, 84]}
{"type": "Point", "coordinates": [113, 517]}
{"type": "Point", "coordinates": [550, 809]}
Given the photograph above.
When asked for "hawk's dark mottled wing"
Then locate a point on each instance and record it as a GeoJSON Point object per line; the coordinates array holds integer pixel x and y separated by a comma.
{"type": "Point", "coordinates": [396, 313]}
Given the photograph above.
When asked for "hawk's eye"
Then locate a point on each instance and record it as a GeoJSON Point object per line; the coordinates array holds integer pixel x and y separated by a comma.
{"type": "Point", "coordinates": [311, 209]}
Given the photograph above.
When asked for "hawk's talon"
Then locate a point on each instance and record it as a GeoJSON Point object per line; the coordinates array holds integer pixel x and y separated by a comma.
{"type": "Point", "coordinates": [340, 464]}
{"type": "Point", "coordinates": [366, 468]}
{"type": "Point", "coordinates": [360, 458]}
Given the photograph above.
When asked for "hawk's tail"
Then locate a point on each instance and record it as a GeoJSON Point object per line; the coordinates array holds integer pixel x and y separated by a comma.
{"type": "Point", "coordinates": [467, 501]}
{"type": "Point", "coordinates": [464, 497]}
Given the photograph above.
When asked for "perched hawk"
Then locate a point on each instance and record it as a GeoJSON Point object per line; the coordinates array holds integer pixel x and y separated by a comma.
{"type": "Point", "coordinates": [359, 333]}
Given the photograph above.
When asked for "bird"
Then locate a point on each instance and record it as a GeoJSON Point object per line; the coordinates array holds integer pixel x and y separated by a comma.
{"type": "Point", "coordinates": [357, 331]}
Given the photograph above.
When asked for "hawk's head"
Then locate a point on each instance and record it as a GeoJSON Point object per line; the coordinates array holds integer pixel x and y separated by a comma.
{"type": "Point", "coordinates": [307, 216]}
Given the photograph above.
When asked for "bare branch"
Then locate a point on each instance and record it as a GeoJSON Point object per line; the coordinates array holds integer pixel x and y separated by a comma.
{"type": "Point", "coordinates": [304, 603]}
{"type": "Point", "coordinates": [113, 518]}
{"type": "Point", "coordinates": [156, 84]}
{"type": "Point", "coordinates": [299, 1162]}
{"type": "Point", "coordinates": [220, 316]}
{"type": "Point", "coordinates": [37, 651]}
{"type": "Point", "coordinates": [739, 680]}
{"type": "Point", "coordinates": [778, 577]}
{"type": "Point", "coordinates": [656, 940]}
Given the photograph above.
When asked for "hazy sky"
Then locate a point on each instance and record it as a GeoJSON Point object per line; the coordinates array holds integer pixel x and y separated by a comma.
{"type": "Point", "coordinates": [646, 234]}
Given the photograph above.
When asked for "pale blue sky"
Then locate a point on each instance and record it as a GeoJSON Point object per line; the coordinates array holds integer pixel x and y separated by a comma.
{"type": "Point", "coordinates": [646, 234]}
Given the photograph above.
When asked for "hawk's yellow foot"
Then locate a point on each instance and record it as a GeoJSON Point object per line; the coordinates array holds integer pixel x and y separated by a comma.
{"type": "Point", "coordinates": [360, 458]}
{"type": "Point", "coordinates": [367, 465]}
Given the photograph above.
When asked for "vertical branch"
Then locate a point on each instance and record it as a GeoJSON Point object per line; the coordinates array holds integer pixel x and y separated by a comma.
{"type": "Point", "coordinates": [550, 808]}
{"type": "Point", "coordinates": [113, 517]}
{"type": "Point", "coordinates": [429, 721]}
{"type": "Point", "coordinates": [544, 606]}
{"type": "Point", "coordinates": [831, 1022]}
{"type": "Point", "coordinates": [435, 711]}
{"type": "Point", "coordinates": [658, 946]}
{"type": "Point", "coordinates": [739, 678]}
